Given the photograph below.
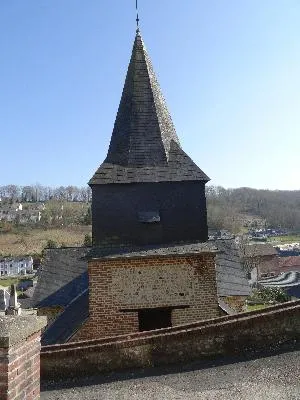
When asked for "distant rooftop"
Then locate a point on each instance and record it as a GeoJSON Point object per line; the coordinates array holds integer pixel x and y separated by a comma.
{"type": "Point", "coordinates": [258, 250]}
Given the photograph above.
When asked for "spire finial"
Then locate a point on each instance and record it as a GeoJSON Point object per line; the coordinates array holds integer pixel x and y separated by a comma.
{"type": "Point", "coordinates": [137, 17]}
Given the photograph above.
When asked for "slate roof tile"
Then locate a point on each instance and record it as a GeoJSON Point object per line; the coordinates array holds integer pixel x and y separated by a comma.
{"type": "Point", "coordinates": [63, 276]}
{"type": "Point", "coordinates": [144, 145]}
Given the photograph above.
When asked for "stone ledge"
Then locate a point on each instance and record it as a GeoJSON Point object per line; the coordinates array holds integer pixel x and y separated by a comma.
{"type": "Point", "coordinates": [15, 329]}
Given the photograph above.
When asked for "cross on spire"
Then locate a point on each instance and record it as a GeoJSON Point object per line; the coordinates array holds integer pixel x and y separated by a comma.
{"type": "Point", "coordinates": [137, 16]}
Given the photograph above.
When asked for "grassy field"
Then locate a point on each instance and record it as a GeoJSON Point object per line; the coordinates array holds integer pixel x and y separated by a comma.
{"type": "Point", "coordinates": [284, 239]}
{"type": "Point", "coordinates": [33, 241]}
{"type": "Point", "coordinates": [6, 282]}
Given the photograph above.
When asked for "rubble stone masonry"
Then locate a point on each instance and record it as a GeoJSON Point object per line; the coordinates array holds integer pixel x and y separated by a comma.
{"type": "Point", "coordinates": [118, 288]}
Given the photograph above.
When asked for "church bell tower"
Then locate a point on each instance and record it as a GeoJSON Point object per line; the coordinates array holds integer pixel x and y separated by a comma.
{"type": "Point", "coordinates": [147, 190]}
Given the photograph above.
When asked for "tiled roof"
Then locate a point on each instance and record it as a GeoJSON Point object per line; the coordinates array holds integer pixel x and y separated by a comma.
{"type": "Point", "coordinates": [284, 280]}
{"type": "Point", "coordinates": [230, 276]}
{"type": "Point", "coordinates": [144, 145]}
{"type": "Point", "coordinates": [258, 250]}
{"type": "Point", "coordinates": [289, 262]}
{"type": "Point", "coordinates": [69, 321]}
{"type": "Point", "coordinates": [64, 281]}
{"type": "Point", "coordinates": [63, 276]}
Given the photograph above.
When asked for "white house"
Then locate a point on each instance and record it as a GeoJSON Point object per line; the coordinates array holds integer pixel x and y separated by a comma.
{"type": "Point", "coordinates": [16, 266]}
{"type": "Point", "coordinates": [16, 213]}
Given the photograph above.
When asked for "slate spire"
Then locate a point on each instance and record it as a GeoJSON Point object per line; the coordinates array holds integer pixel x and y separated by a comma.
{"type": "Point", "coordinates": [143, 128]}
{"type": "Point", "coordinates": [144, 146]}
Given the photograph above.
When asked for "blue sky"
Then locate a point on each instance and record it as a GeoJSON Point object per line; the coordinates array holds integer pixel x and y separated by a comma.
{"type": "Point", "coordinates": [229, 71]}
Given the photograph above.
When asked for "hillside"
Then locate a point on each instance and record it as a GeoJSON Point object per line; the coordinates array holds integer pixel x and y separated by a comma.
{"type": "Point", "coordinates": [234, 209]}
{"type": "Point", "coordinates": [34, 240]}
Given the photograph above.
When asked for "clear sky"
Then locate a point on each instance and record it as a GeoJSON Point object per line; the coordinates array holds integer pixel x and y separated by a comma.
{"type": "Point", "coordinates": [229, 69]}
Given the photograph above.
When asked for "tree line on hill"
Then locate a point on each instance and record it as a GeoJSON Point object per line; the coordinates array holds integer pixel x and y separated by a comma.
{"type": "Point", "coordinates": [230, 209]}
{"type": "Point", "coordinates": [40, 193]}
{"type": "Point", "coordinates": [234, 208]}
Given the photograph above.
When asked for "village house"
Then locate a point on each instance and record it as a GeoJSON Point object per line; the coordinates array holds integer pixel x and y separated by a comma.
{"type": "Point", "coordinates": [16, 266]}
{"type": "Point", "coordinates": [18, 214]}
{"type": "Point", "coordinates": [261, 260]}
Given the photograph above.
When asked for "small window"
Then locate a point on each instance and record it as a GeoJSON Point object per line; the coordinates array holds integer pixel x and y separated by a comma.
{"type": "Point", "coordinates": [149, 217]}
{"type": "Point", "coordinates": [154, 318]}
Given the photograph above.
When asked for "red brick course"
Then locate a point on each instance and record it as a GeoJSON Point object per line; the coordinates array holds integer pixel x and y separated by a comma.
{"type": "Point", "coordinates": [20, 370]}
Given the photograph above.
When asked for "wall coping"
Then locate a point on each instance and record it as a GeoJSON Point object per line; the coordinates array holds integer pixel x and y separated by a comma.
{"type": "Point", "coordinates": [184, 329]}
{"type": "Point", "coordinates": [124, 252]}
{"type": "Point", "coordinates": [15, 328]}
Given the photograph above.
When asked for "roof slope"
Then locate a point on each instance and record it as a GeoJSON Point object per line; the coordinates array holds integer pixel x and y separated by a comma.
{"type": "Point", "coordinates": [230, 276]}
{"type": "Point", "coordinates": [68, 322]}
{"type": "Point", "coordinates": [144, 145]}
{"type": "Point", "coordinates": [285, 279]}
{"type": "Point", "coordinates": [259, 250]}
{"type": "Point", "coordinates": [289, 262]}
{"type": "Point", "coordinates": [64, 281]}
{"type": "Point", "coordinates": [63, 277]}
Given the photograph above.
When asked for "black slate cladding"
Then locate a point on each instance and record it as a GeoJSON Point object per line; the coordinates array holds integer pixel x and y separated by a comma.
{"type": "Point", "coordinates": [144, 145]}
{"type": "Point", "coordinates": [146, 170]}
{"type": "Point", "coordinates": [62, 278]}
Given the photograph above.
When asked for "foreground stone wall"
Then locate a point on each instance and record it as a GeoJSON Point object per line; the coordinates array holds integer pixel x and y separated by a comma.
{"type": "Point", "coordinates": [244, 333]}
{"type": "Point", "coordinates": [20, 357]}
{"type": "Point", "coordinates": [119, 288]}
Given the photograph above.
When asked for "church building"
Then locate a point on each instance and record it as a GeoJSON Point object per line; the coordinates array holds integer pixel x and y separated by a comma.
{"type": "Point", "coordinates": [151, 265]}
{"type": "Point", "coordinates": [148, 190]}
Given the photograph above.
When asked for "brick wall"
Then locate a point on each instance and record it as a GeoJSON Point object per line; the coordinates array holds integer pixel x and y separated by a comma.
{"type": "Point", "coordinates": [119, 288]}
{"type": "Point", "coordinates": [275, 328]}
{"type": "Point", "coordinates": [20, 358]}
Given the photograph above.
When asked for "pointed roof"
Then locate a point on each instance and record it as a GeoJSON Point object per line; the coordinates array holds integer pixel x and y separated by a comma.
{"type": "Point", "coordinates": [144, 146]}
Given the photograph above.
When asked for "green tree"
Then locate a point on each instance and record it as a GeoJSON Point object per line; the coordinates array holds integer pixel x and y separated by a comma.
{"type": "Point", "coordinates": [87, 219]}
{"type": "Point", "coordinates": [268, 294]}
{"type": "Point", "coordinates": [51, 244]}
{"type": "Point", "coordinates": [87, 240]}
